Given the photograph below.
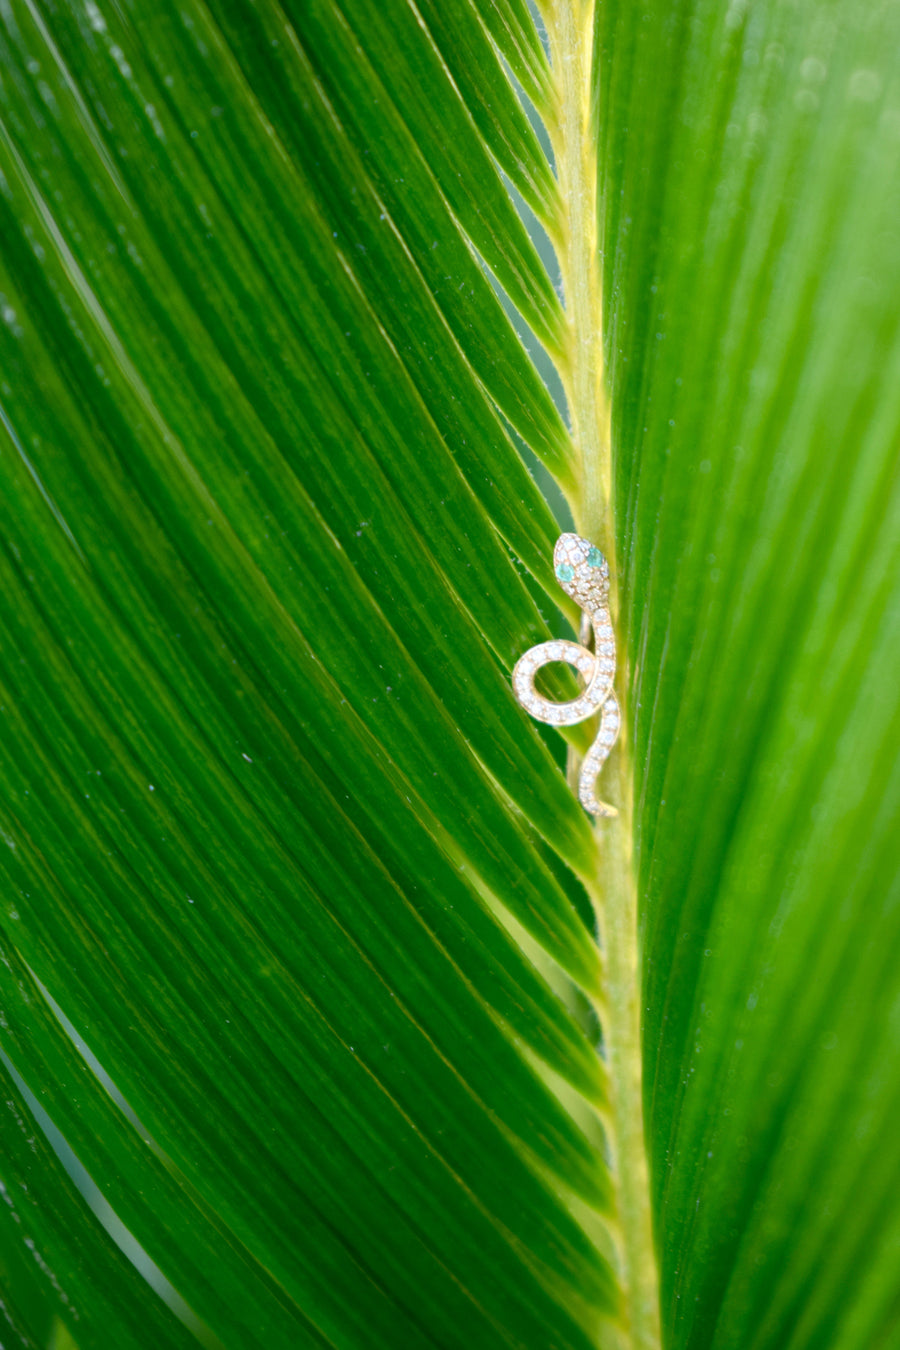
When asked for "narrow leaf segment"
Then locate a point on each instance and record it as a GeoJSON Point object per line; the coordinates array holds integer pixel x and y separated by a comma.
{"type": "Point", "coordinates": [570, 25]}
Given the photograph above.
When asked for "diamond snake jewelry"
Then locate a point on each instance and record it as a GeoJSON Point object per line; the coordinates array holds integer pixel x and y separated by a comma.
{"type": "Point", "coordinates": [583, 573]}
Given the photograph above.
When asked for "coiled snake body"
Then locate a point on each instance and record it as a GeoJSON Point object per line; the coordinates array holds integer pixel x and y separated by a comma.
{"type": "Point", "coordinates": [582, 572]}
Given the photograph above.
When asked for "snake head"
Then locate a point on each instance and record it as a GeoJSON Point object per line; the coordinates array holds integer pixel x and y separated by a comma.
{"type": "Point", "coordinates": [581, 570]}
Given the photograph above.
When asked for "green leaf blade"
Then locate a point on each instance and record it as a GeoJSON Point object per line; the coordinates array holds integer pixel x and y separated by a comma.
{"type": "Point", "coordinates": [273, 812]}
{"type": "Point", "coordinates": [752, 363]}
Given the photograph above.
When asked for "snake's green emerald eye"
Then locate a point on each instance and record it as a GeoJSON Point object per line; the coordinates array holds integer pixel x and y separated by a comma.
{"type": "Point", "coordinates": [594, 557]}
{"type": "Point", "coordinates": [565, 572]}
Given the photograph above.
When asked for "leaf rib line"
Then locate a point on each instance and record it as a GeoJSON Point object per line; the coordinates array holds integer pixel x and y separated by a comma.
{"type": "Point", "coordinates": [570, 28]}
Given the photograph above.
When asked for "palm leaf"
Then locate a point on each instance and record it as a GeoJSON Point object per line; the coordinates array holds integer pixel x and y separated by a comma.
{"type": "Point", "coordinates": [299, 949]}
{"type": "Point", "coordinates": [759, 501]}
{"type": "Point", "coordinates": [266, 777]}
